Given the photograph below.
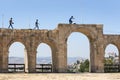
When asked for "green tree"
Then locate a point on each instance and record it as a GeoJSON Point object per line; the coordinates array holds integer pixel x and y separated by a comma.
{"type": "Point", "coordinates": [84, 67]}
{"type": "Point", "coordinates": [108, 61]}
{"type": "Point", "coordinates": [86, 63]}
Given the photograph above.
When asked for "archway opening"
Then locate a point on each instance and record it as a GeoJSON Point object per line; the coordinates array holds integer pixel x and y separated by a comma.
{"type": "Point", "coordinates": [44, 58]}
{"type": "Point", "coordinates": [78, 53]}
{"type": "Point", "coordinates": [111, 59]}
{"type": "Point", "coordinates": [16, 60]}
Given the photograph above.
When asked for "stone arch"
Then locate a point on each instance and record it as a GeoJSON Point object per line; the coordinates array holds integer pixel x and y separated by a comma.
{"type": "Point", "coordinates": [115, 44]}
{"type": "Point", "coordinates": [56, 39]}
{"type": "Point", "coordinates": [112, 39]}
{"type": "Point", "coordinates": [86, 38]}
{"type": "Point", "coordinates": [21, 41]}
{"type": "Point", "coordinates": [91, 33]}
{"type": "Point", "coordinates": [89, 37]}
{"type": "Point", "coordinates": [15, 40]}
{"type": "Point", "coordinates": [46, 46]}
{"type": "Point", "coordinates": [107, 42]}
{"type": "Point", "coordinates": [114, 59]}
{"type": "Point", "coordinates": [53, 47]}
{"type": "Point", "coordinates": [112, 45]}
{"type": "Point", "coordinates": [87, 32]}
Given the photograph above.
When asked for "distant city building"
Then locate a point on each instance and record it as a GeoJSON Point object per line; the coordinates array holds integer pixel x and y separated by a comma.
{"type": "Point", "coordinates": [75, 67]}
{"type": "Point", "coordinates": [113, 57]}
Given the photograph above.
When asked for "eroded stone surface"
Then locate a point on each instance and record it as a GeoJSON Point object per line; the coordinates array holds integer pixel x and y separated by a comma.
{"type": "Point", "coordinates": [57, 40]}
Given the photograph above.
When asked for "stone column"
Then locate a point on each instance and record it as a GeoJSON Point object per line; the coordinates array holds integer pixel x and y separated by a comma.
{"type": "Point", "coordinates": [62, 58]}
{"type": "Point", "coordinates": [31, 52]}
{"type": "Point", "coordinates": [93, 52]}
{"type": "Point", "coordinates": [62, 48]}
{"type": "Point", "coordinates": [31, 61]}
{"type": "Point", "coordinates": [119, 56]}
{"type": "Point", "coordinates": [54, 60]}
{"type": "Point", "coordinates": [26, 60]}
{"type": "Point", "coordinates": [100, 58]}
{"type": "Point", "coordinates": [1, 53]}
{"type": "Point", "coordinates": [5, 60]}
{"type": "Point", "coordinates": [96, 57]}
{"type": "Point", "coordinates": [99, 54]}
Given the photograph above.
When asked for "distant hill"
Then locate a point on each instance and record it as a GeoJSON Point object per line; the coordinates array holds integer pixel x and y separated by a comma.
{"type": "Point", "coordinates": [16, 60]}
{"type": "Point", "coordinates": [43, 60]}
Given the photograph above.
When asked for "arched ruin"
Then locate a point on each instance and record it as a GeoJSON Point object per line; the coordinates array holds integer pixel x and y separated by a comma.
{"type": "Point", "coordinates": [57, 40]}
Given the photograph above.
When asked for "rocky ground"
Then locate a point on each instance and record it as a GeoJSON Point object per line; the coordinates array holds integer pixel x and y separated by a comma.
{"type": "Point", "coordinates": [60, 76]}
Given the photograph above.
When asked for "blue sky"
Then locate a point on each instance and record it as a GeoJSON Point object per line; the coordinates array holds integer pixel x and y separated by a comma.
{"type": "Point", "coordinates": [52, 12]}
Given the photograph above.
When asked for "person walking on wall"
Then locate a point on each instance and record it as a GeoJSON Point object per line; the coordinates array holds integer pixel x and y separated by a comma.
{"type": "Point", "coordinates": [36, 24]}
{"type": "Point", "coordinates": [10, 23]}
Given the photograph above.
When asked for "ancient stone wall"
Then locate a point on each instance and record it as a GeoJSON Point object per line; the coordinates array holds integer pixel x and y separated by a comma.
{"type": "Point", "coordinates": [57, 40]}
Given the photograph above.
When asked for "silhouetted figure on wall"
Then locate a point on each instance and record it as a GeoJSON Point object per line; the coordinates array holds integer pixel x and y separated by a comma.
{"type": "Point", "coordinates": [36, 24]}
{"type": "Point", "coordinates": [70, 20]}
{"type": "Point", "coordinates": [10, 23]}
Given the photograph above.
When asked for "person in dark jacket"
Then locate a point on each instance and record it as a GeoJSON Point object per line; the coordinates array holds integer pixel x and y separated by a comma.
{"type": "Point", "coordinates": [10, 23]}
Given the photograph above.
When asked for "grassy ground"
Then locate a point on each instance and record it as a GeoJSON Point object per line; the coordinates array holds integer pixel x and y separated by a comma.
{"type": "Point", "coordinates": [60, 76]}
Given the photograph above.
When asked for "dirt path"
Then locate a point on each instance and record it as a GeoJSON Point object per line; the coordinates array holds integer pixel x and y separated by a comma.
{"type": "Point", "coordinates": [61, 76]}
